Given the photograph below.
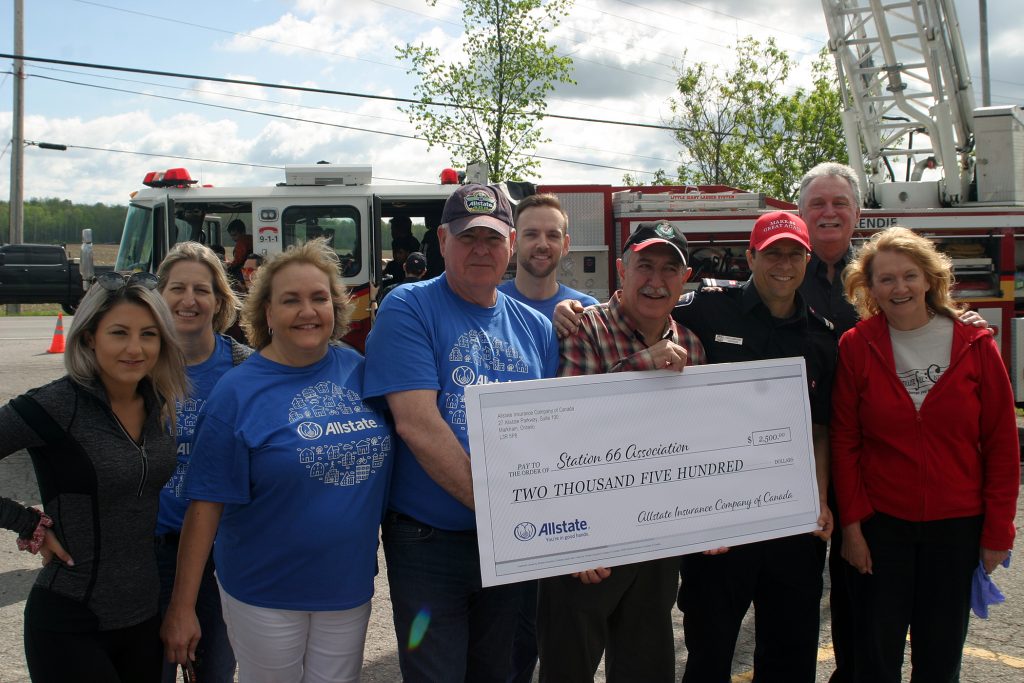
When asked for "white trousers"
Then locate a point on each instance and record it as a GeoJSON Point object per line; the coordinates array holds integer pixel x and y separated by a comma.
{"type": "Point", "coordinates": [285, 646]}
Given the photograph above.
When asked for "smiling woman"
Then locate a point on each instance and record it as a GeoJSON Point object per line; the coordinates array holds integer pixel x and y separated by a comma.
{"type": "Point", "coordinates": [924, 458]}
{"type": "Point", "coordinates": [287, 429]}
{"type": "Point", "coordinates": [202, 305]}
{"type": "Point", "coordinates": [102, 450]}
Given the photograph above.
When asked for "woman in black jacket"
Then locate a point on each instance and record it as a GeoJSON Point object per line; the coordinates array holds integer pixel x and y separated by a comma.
{"type": "Point", "coordinates": [101, 441]}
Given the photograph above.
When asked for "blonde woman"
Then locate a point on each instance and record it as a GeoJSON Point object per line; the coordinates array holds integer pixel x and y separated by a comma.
{"type": "Point", "coordinates": [102, 449]}
{"type": "Point", "coordinates": [924, 458]}
{"type": "Point", "coordinates": [289, 471]}
{"type": "Point", "coordinates": [195, 286]}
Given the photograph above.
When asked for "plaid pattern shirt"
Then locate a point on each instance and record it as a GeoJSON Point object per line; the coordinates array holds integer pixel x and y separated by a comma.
{"type": "Point", "coordinates": [608, 341]}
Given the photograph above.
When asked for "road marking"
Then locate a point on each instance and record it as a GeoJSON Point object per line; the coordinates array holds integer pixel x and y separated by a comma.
{"type": "Point", "coordinates": [982, 653]}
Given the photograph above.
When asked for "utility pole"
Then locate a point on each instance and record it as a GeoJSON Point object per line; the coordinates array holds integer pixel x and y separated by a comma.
{"type": "Point", "coordinates": [986, 93]}
{"type": "Point", "coordinates": [17, 212]}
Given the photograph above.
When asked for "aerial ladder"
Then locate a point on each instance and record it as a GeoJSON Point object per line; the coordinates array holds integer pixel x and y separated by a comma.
{"type": "Point", "coordinates": [903, 72]}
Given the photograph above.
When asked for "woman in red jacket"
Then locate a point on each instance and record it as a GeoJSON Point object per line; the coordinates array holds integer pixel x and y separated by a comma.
{"type": "Point", "coordinates": [924, 458]}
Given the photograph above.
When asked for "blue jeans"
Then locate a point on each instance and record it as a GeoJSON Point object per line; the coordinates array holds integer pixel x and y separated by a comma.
{"type": "Point", "coordinates": [215, 661]}
{"type": "Point", "coordinates": [448, 627]}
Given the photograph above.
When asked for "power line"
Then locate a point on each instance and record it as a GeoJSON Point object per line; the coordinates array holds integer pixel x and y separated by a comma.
{"type": "Point", "coordinates": [327, 123]}
{"type": "Point", "coordinates": [284, 104]}
{"type": "Point", "coordinates": [321, 91]}
{"type": "Point", "coordinates": [162, 155]}
{"type": "Point", "coordinates": [237, 34]}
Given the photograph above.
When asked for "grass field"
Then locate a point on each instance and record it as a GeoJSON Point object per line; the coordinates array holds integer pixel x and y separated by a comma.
{"type": "Point", "coordinates": [103, 255]}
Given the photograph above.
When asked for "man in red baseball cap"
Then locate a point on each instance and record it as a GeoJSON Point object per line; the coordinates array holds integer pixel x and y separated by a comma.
{"type": "Point", "coordinates": [764, 317]}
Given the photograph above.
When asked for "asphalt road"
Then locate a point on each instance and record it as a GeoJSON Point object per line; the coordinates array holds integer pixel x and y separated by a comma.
{"type": "Point", "coordinates": [994, 652]}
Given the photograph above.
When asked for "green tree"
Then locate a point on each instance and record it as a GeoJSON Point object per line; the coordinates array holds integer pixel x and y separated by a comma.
{"type": "Point", "coordinates": [498, 85]}
{"type": "Point", "coordinates": [739, 128]}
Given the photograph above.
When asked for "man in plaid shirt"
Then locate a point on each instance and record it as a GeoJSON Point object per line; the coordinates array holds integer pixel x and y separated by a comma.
{"type": "Point", "coordinates": [625, 613]}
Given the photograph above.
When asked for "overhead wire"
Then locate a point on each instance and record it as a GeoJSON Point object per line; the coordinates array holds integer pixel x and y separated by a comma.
{"type": "Point", "coordinates": [288, 104]}
{"type": "Point", "coordinates": [320, 91]}
{"type": "Point", "coordinates": [333, 125]}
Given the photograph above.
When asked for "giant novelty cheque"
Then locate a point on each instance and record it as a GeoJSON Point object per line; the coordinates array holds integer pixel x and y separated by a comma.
{"type": "Point", "coordinates": [580, 472]}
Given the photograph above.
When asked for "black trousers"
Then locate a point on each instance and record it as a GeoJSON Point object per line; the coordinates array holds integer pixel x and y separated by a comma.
{"type": "Point", "coordinates": [627, 617]}
{"type": "Point", "coordinates": [783, 579]}
{"type": "Point", "coordinates": [840, 605]}
{"type": "Point", "coordinates": [921, 581]}
{"type": "Point", "coordinates": [126, 655]}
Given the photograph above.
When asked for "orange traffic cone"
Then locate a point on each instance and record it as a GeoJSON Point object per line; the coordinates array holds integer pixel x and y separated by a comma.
{"type": "Point", "coordinates": [57, 345]}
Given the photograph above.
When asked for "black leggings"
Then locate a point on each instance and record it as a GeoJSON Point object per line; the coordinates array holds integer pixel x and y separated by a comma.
{"type": "Point", "coordinates": [126, 655]}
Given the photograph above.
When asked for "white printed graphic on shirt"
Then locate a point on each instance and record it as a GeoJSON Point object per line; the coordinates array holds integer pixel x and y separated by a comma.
{"type": "Point", "coordinates": [919, 381]}
{"type": "Point", "coordinates": [330, 419]}
{"type": "Point", "coordinates": [474, 356]}
{"type": "Point", "coordinates": [188, 414]}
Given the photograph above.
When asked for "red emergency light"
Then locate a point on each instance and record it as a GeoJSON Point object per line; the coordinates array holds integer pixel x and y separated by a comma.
{"type": "Point", "coordinates": [449, 176]}
{"type": "Point", "coordinates": [172, 177]}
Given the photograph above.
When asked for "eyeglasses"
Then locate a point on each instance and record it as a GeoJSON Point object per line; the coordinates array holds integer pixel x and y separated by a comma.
{"type": "Point", "coordinates": [113, 281]}
{"type": "Point", "coordinates": [248, 271]}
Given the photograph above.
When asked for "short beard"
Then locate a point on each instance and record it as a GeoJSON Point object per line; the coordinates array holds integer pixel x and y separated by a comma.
{"type": "Point", "coordinates": [539, 274]}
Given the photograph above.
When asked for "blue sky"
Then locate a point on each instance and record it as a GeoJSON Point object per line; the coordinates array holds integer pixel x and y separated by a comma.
{"type": "Point", "coordinates": [625, 50]}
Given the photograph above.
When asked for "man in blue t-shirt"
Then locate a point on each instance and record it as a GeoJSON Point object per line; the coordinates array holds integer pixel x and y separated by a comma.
{"type": "Point", "coordinates": [431, 340]}
{"type": "Point", "coordinates": [542, 241]}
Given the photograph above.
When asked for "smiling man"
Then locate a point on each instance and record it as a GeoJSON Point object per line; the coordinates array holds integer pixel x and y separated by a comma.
{"type": "Point", "coordinates": [432, 339]}
{"type": "Point", "coordinates": [764, 317]}
{"type": "Point", "coordinates": [624, 612]}
{"type": "Point", "coordinates": [542, 240]}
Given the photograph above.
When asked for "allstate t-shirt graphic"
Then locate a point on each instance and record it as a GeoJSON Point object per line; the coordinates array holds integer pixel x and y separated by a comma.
{"type": "Point", "coordinates": [188, 415]}
{"type": "Point", "coordinates": [342, 444]}
{"type": "Point", "coordinates": [202, 378]}
{"type": "Point", "coordinates": [478, 358]}
{"type": "Point", "coordinates": [302, 465]}
{"type": "Point", "coordinates": [426, 337]}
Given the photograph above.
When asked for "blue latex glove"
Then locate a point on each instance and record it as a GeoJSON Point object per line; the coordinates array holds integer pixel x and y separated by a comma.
{"type": "Point", "coordinates": [984, 591]}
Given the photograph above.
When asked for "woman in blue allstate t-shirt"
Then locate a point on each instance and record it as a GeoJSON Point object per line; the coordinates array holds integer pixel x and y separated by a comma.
{"type": "Point", "coordinates": [289, 471]}
{"type": "Point", "coordinates": [196, 288]}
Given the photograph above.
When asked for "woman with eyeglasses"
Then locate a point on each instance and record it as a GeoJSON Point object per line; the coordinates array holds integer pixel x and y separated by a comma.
{"type": "Point", "coordinates": [289, 471]}
{"type": "Point", "coordinates": [195, 286]}
{"type": "Point", "coordinates": [101, 441]}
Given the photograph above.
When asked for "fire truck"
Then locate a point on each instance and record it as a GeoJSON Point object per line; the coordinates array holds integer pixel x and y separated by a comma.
{"type": "Point", "coordinates": [336, 203]}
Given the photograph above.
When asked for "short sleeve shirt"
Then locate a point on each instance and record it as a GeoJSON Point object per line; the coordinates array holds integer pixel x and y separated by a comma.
{"type": "Point", "coordinates": [547, 306]}
{"type": "Point", "coordinates": [301, 463]}
{"type": "Point", "coordinates": [427, 337]}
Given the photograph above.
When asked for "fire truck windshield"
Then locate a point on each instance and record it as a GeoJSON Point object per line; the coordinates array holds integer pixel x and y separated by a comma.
{"type": "Point", "coordinates": [136, 250]}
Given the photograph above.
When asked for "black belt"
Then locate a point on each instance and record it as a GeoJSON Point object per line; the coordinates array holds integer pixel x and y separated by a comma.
{"type": "Point", "coordinates": [393, 516]}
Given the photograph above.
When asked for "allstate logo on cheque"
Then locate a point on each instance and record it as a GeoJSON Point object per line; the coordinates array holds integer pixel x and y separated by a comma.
{"type": "Point", "coordinates": [310, 430]}
{"type": "Point", "coordinates": [524, 531]}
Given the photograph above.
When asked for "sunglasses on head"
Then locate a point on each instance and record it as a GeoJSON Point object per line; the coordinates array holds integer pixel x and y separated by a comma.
{"type": "Point", "coordinates": [113, 281]}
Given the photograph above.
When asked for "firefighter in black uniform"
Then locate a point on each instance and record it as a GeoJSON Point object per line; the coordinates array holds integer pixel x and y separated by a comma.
{"type": "Point", "coordinates": [764, 317]}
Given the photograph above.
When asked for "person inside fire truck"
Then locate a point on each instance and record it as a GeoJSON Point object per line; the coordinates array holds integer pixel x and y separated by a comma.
{"type": "Point", "coordinates": [296, 583]}
{"type": "Point", "coordinates": [243, 247]}
{"type": "Point", "coordinates": [925, 459]}
{"type": "Point", "coordinates": [203, 306]}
